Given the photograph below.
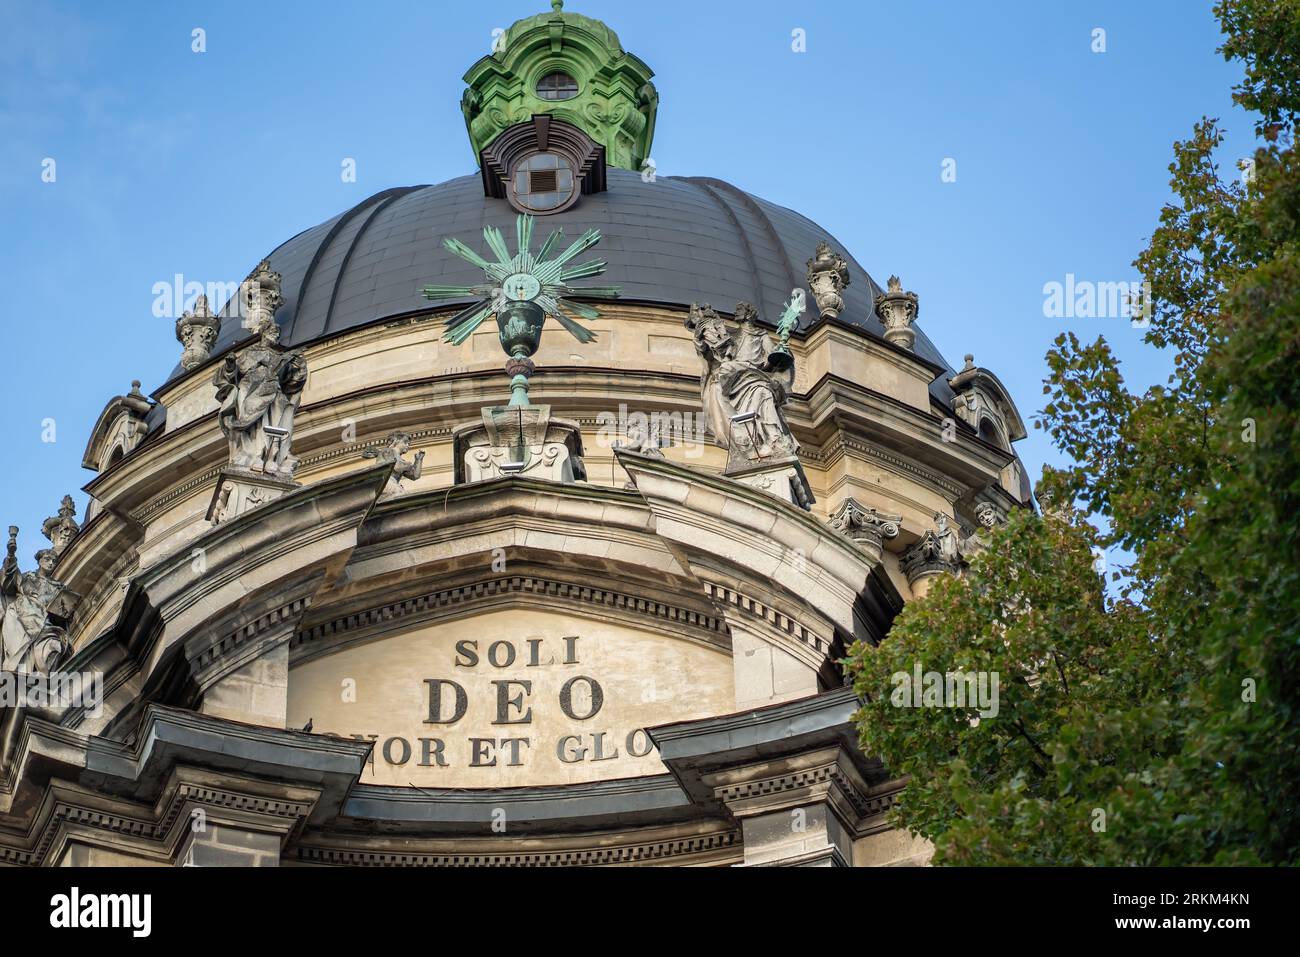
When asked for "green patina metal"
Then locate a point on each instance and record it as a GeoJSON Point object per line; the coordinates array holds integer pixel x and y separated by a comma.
{"type": "Point", "coordinates": [521, 291]}
{"type": "Point", "coordinates": [615, 101]}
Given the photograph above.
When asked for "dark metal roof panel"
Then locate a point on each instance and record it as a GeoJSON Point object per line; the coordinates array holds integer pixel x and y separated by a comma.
{"type": "Point", "coordinates": [673, 241]}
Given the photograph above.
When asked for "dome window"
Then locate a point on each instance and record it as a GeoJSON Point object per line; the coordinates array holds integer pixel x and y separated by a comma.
{"type": "Point", "coordinates": [542, 166]}
{"type": "Point", "coordinates": [557, 86]}
{"type": "Point", "coordinates": [544, 182]}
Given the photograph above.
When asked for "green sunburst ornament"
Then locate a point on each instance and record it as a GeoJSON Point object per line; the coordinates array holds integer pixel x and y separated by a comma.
{"type": "Point", "coordinates": [521, 291]}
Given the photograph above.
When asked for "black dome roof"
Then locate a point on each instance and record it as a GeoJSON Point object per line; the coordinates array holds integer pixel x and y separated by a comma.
{"type": "Point", "coordinates": [675, 241]}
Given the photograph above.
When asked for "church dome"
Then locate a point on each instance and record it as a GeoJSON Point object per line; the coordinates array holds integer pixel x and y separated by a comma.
{"type": "Point", "coordinates": [671, 241]}
{"type": "Point", "coordinates": [331, 578]}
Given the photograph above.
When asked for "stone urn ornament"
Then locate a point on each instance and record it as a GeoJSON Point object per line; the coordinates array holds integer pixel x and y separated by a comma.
{"type": "Point", "coordinates": [897, 311]}
{"type": "Point", "coordinates": [828, 275]}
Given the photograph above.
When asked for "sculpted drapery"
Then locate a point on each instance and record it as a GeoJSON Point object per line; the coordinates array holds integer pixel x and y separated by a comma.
{"type": "Point", "coordinates": [744, 374]}
{"type": "Point", "coordinates": [29, 643]}
{"type": "Point", "coordinates": [259, 391]}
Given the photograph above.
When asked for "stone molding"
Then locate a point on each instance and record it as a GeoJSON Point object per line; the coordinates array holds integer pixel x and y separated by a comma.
{"type": "Point", "coordinates": [720, 847]}
{"type": "Point", "coordinates": [786, 625]}
{"type": "Point", "coordinates": [826, 775]}
{"type": "Point", "coordinates": [431, 606]}
{"type": "Point", "coordinates": [157, 832]}
{"type": "Point", "coordinates": [138, 796]}
{"type": "Point", "coordinates": [212, 659]}
{"type": "Point", "coordinates": [705, 515]}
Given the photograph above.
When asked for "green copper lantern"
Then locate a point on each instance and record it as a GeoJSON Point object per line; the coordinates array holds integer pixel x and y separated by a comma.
{"type": "Point", "coordinates": [521, 291]}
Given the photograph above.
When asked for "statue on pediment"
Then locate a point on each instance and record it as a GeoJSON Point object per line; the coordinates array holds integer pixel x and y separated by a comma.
{"type": "Point", "coordinates": [29, 643]}
{"type": "Point", "coordinates": [259, 389]}
{"type": "Point", "coordinates": [746, 381]}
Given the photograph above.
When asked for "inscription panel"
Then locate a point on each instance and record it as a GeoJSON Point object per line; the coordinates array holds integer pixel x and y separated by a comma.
{"type": "Point", "coordinates": [510, 699]}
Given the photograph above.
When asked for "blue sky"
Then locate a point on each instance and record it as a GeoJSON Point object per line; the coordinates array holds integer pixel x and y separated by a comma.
{"type": "Point", "coordinates": [170, 161]}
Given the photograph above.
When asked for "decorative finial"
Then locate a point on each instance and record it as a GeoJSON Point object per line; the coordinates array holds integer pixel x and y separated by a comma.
{"type": "Point", "coordinates": [60, 529]}
{"type": "Point", "coordinates": [196, 330]}
{"type": "Point", "coordinates": [522, 298]}
{"type": "Point", "coordinates": [897, 309]}
{"type": "Point", "coordinates": [828, 274]}
{"type": "Point", "coordinates": [557, 5]}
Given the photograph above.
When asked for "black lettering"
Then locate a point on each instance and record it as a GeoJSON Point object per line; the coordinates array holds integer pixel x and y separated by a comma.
{"type": "Point", "coordinates": [469, 648]}
{"type": "Point", "coordinates": [576, 755]}
{"type": "Point", "coordinates": [388, 751]}
{"type": "Point", "coordinates": [566, 697]}
{"type": "Point", "coordinates": [505, 702]}
{"type": "Point", "coordinates": [598, 752]}
{"type": "Point", "coordinates": [513, 744]}
{"type": "Point", "coordinates": [431, 753]}
{"type": "Point", "coordinates": [534, 659]}
{"type": "Point", "coordinates": [492, 654]}
{"type": "Point", "coordinates": [435, 701]}
{"type": "Point", "coordinates": [631, 743]}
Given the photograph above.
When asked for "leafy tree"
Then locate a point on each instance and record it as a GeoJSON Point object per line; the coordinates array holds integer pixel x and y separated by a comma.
{"type": "Point", "coordinates": [1158, 724]}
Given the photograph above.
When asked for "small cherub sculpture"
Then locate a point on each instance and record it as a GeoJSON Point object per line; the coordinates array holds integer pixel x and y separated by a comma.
{"type": "Point", "coordinates": [396, 446]}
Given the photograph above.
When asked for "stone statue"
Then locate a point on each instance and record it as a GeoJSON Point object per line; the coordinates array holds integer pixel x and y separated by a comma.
{"type": "Point", "coordinates": [62, 528]}
{"type": "Point", "coordinates": [31, 645]}
{"type": "Point", "coordinates": [196, 330]}
{"type": "Point", "coordinates": [397, 445]}
{"type": "Point", "coordinates": [828, 274]}
{"type": "Point", "coordinates": [260, 388]}
{"type": "Point", "coordinates": [746, 381]}
{"type": "Point", "coordinates": [988, 516]}
{"type": "Point", "coordinates": [640, 437]}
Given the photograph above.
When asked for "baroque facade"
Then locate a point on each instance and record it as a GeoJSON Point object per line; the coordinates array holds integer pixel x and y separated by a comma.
{"type": "Point", "coordinates": [520, 519]}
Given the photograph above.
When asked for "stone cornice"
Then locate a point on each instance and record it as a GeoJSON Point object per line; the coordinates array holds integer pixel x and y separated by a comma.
{"type": "Point", "coordinates": [857, 413]}
{"type": "Point", "coordinates": [717, 847]}
{"type": "Point", "coordinates": [151, 769]}
{"type": "Point", "coordinates": [718, 519]}
{"type": "Point", "coordinates": [228, 578]}
{"type": "Point", "coordinates": [507, 590]}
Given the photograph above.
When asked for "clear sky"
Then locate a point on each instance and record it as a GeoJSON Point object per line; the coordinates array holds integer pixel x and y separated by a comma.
{"type": "Point", "coordinates": [170, 161]}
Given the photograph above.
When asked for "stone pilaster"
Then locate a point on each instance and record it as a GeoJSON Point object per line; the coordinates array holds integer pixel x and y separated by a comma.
{"type": "Point", "coordinates": [221, 845]}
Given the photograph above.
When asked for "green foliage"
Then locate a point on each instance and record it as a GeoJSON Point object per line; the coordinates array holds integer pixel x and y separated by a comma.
{"type": "Point", "coordinates": [1157, 725]}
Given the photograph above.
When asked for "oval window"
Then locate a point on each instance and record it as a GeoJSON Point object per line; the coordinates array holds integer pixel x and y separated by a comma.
{"type": "Point", "coordinates": [557, 86]}
{"type": "Point", "coordinates": [543, 182]}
